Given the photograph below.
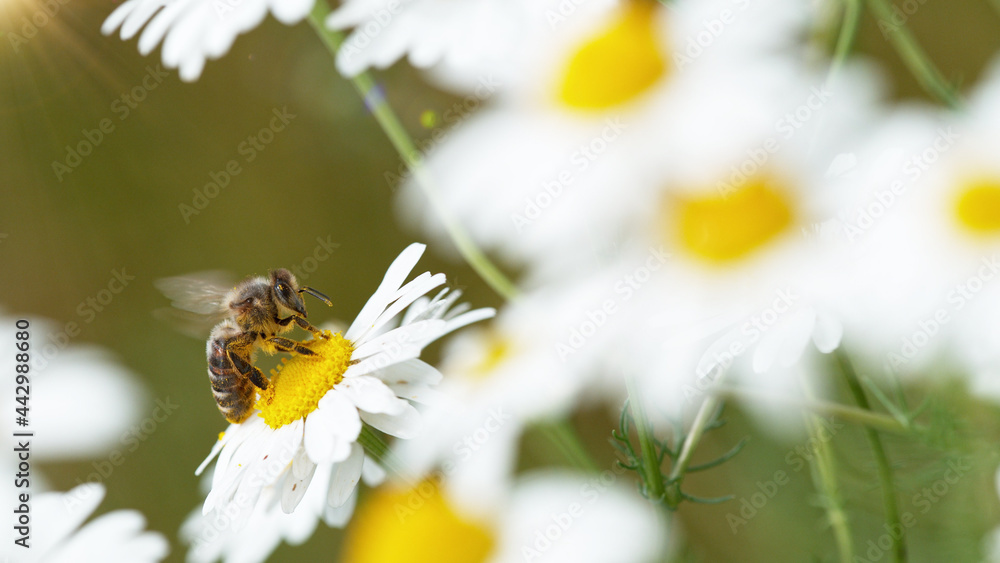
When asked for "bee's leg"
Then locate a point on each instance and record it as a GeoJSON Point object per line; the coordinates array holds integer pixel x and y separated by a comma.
{"type": "Point", "coordinates": [289, 345]}
{"type": "Point", "coordinates": [302, 323]}
{"type": "Point", "coordinates": [250, 371]}
{"type": "Point", "coordinates": [246, 369]}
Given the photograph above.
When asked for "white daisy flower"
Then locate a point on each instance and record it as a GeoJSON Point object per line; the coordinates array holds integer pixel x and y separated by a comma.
{"type": "Point", "coordinates": [578, 142]}
{"type": "Point", "coordinates": [312, 413]}
{"type": "Point", "coordinates": [193, 31]}
{"type": "Point", "coordinates": [925, 232]}
{"type": "Point", "coordinates": [498, 379]}
{"type": "Point", "coordinates": [59, 534]}
{"type": "Point", "coordinates": [553, 516]}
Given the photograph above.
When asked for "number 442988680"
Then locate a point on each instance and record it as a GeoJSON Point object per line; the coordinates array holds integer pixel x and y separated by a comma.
{"type": "Point", "coordinates": [23, 390]}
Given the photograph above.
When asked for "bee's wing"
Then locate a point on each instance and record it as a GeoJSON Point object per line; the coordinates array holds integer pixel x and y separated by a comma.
{"type": "Point", "coordinates": [198, 299]}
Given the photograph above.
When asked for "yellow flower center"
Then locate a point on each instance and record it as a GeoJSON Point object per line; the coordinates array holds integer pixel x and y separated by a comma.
{"type": "Point", "coordinates": [618, 64]}
{"type": "Point", "coordinates": [978, 206]}
{"type": "Point", "coordinates": [417, 526]}
{"type": "Point", "coordinates": [300, 383]}
{"type": "Point", "coordinates": [723, 228]}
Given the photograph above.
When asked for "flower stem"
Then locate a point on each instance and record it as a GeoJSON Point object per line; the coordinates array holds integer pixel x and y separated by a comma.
{"type": "Point", "coordinates": [881, 460]}
{"type": "Point", "coordinates": [652, 478]}
{"type": "Point", "coordinates": [401, 141]}
{"type": "Point", "coordinates": [825, 478]}
{"type": "Point", "coordinates": [913, 55]}
{"type": "Point", "coordinates": [705, 416]}
{"type": "Point", "coordinates": [870, 419]}
{"type": "Point", "coordinates": [565, 439]}
{"type": "Point", "coordinates": [845, 39]}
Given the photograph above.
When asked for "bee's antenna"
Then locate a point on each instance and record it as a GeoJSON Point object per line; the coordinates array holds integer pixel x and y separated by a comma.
{"type": "Point", "coordinates": [316, 294]}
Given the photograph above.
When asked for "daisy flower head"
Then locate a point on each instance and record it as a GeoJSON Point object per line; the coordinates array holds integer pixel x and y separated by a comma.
{"type": "Point", "coordinates": [925, 231]}
{"type": "Point", "coordinates": [63, 537]}
{"type": "Point", "coordinates": [312, 413]}
{"type": "Point", "coordinates": [498, 379]}
{"type": "Point", "coordinates": [575, 144]}
{"type": "Point", "coordinates": [194, 31]}
{"type": "Point", "coordinates": [547, 516]}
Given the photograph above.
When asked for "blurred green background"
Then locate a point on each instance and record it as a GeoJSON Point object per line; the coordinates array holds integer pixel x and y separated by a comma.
{"type": "Point", "coordinates": [323, 177]}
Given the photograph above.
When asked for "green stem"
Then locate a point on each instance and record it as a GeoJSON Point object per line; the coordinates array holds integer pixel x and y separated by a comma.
{"type": "Point", "coordinates": [706, 413]}
{"type": "Point", "coordinates": [845, 40]}
{"type": "Point", "coordinates": [826, 479]}
{"type": "Point", "coordinates": [870, 419]}
{"type": "Point", "coordinates": [377, 448]}
{"type": "Point", "coordinates": [881, 460]}
{"type": "Point", "coordinates": [913, 55]}
{"type": "Point", "coordinates": [652, 477]}
{"type": "Point", "coordinates": [400, 139]}
{"type": "Point", "coordinates": [565, 439]}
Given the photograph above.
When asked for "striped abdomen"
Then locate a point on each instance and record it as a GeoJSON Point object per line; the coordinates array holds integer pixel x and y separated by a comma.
{"type": "Point", "coordinates": [233, 392]}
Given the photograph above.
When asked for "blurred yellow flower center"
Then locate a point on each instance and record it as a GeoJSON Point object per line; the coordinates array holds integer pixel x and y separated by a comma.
{"type": "Point", "coordinates": [496, 349]}
{"type": "Point", "coordinates": [417, 526]}
{"type": "Point", "coordinates": [978, 206]}
{"type": "Point", "coordinates": [617, 65]}
{"type": "Point", "coordinates": [300, 383]}
{"type": "Point", "coordinates": [721, 228]}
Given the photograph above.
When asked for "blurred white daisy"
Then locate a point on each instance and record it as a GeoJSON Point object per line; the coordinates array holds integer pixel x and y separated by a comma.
{"type": "Point", "coordinates": [498, 379]}
{"type": "Point", "coordinates": [924, 224]}
{"type": "Point", "coordinates": [62, 373]}
{"type": "Point", "coordinates": [577, 137]}
{"type": "Point", "coordinates": [193, 31]}
{"type": "Point", "coordinates": [311, 415]}
{"type": "Point", "coordinates": [59, 534]}
{"type": "Point", "coordinates": [552, 516]}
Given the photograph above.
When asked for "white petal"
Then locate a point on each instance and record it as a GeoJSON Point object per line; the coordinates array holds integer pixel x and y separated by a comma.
{"type": "Point", "coordinates": [405, 425]}
{"type": "Point", "coordinates": [318, 440]}
{"type": "Point", "coordinates": [828, 333]}
{"type": "Point", "coordinates": [345, 477]}
{"type": "Point", "coordinates": [116, 17]}
{"type": "Point", "coordinates": [372, 473]}
{"type": "Point", "coordinates": [338, 517]}
{"type": "Point", "coordinates": [394, 278]}
{"type": "Point", "coordinates": [371, 395]}
{"type": "Point", "coordinates": [290, 12]}
{"type": "Point", "coordinates": [294, 488]}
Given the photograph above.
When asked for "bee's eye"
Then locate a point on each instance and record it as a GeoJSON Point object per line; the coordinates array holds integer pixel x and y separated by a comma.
{"type": "Point", "coordinates": [248, 301]}
{"type": "Point", "coordinates": [280, 288]}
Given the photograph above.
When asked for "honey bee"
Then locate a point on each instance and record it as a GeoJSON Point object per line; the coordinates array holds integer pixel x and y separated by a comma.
{"type": "Point", "coordinates": [250, 316]}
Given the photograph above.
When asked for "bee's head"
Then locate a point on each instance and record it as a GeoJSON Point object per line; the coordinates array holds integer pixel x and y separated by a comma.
{"type": "Point", "coordinates": [286, 291]}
